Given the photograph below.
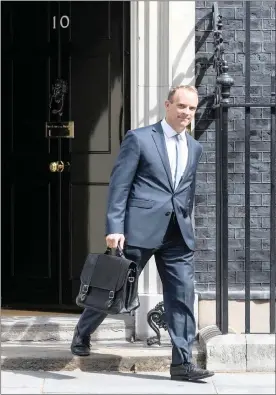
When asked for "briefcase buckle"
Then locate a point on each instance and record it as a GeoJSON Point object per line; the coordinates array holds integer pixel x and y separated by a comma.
{"type": "Point", "coordinates": [111, 295]}
{"type": "Point", "coordinates": [131, 279]}
{"type": "Point", "coordinates": [84, 292]}
{"type": "Point", "coordinates": [85, 288]}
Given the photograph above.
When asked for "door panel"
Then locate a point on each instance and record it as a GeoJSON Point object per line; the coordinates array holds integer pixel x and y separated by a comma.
{"type": "Point", "coordinates": [33, 223]}
{"type": "Point", "coordinates": [30, 263]}
{"type": "Point", "coordinates": [87, 225]}
{"type": "Point", "coordinates": [52, 220]}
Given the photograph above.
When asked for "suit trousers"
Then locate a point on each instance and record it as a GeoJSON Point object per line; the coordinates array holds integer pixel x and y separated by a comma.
{"type": "Point", "coordinates": [175, 265]}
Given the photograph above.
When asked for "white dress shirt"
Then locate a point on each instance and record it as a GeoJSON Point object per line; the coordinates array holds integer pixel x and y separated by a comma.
{"type": "Point", "coordinates": [169, 134]}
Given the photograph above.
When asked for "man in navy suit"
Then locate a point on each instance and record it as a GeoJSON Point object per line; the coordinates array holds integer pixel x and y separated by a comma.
{"type": "Point", "coordinates": [150, 202]}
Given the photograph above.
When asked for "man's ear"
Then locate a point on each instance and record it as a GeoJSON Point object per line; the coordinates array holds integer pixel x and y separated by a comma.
{"type": "Point", "coordinates": [167, 103]}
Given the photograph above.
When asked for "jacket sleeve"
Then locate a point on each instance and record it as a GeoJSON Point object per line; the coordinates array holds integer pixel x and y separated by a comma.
{"type": "Point", "coordinates": [120, 183]}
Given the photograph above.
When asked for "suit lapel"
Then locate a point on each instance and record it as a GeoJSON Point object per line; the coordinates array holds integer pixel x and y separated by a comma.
{"type": "Point", "coordinates": [159, 139]}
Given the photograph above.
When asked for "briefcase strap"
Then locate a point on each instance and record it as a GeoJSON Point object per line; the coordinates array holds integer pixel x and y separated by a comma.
{"type": "Point", "coordinates": [111, 295]}
{"type": "Point", "coordinates": [119, 251]}
{"type": "Point", "coordinates": [85, 287]}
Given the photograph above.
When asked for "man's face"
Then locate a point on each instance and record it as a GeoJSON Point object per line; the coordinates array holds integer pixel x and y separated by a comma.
{"type": "Point", "coordinates": [181, 110]}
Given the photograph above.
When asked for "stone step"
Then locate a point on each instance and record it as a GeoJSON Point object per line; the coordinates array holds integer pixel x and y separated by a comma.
{"type": "Point", "coordinates": [61, 328]}
{"type": "Point", "coordinates": [105, 356]}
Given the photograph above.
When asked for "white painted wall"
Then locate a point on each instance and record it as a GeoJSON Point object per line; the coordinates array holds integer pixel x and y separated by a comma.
{"type": "Point", "coordinates": [162, 55]}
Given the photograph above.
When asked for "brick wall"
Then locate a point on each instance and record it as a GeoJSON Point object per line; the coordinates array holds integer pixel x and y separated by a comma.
{"type": "Point", "coordinates": [262, 51]}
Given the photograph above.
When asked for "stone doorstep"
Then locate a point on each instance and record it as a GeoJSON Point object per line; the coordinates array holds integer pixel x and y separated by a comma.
{"type": "Point", "coordinates": [43, 343]}
{"type": "Point", "coordinates": [105, 356]}
{"type": "Point", "coordinates": [61, 328]}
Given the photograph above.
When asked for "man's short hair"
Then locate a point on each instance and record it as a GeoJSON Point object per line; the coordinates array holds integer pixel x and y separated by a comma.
{"type": "Point", "coordinates": [176, 88]}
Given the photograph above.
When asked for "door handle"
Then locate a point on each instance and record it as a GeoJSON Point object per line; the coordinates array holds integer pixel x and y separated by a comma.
{"type": "Point", "coordinates": [58, 167]}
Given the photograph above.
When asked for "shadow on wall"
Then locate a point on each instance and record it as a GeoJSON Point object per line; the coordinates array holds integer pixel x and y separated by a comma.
{"type": "Point", "coordinates": [205, 113]}
{"type": "Point", "coordinates": [204, 116]}
{"type": "Point", "coordinates": [163, 70]}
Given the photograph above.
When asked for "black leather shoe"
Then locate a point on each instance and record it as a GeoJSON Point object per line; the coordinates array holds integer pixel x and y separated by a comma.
{"type": "Point", "coordinates": [189, 371]}
{"type": "Point", "coordinates": [80, 345]}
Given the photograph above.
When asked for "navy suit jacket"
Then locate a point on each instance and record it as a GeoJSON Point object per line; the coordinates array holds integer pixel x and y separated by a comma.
{"type": "Point", "coordinates": [141, 196]}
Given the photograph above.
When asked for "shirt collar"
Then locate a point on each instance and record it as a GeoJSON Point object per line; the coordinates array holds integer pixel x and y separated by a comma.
{"type": "Point", "coordinates": [169, 131]}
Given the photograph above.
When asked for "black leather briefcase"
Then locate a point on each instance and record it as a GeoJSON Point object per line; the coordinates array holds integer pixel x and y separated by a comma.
{"type": "Point", "coordinates": [109, 283]}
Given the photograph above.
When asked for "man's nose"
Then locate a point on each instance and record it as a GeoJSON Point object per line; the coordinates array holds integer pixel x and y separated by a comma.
{"type": "Point", "coordinates": [186, 111]}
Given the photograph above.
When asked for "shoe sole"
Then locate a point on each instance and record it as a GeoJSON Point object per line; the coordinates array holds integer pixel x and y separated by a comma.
{"type": "Point", "coordinates": [80, 355]}
{"type": "Point", "coordinates": [183, 378]}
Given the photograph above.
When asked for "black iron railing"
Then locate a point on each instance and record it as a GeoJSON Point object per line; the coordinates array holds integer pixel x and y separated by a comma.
{"type": "Point", "coordinates": [222, 105]}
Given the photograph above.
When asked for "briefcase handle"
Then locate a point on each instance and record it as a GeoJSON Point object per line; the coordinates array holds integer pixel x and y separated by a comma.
{"type": "Point", "coordinates": [119, 251]}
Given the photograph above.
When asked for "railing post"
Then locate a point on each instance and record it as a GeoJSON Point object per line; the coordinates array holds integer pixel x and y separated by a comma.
{"type": "Point", "coordinates": [247, 208]}
{"type": "Point", "coordinates": [218, 217]}
{"type": "Point", "coordinates": [273, 209]}
{"type": "Point", "coordinates": [225, 82]}
{"type": "Point", "coordinates": [218, 40]}
{"type": "Point", "coordinates": [222, 94]}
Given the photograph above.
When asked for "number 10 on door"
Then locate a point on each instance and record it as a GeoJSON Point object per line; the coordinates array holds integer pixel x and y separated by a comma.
{"type": "Point", "coordinates": [64, 22]}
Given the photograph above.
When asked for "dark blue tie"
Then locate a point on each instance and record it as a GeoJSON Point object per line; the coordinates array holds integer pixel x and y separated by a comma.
{"type": "Point", "coordinates": [178, 160]}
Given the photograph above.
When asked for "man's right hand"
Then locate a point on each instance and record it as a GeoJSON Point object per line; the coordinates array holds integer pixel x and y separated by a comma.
{"type": "Point", "coordinates": [115, 239]}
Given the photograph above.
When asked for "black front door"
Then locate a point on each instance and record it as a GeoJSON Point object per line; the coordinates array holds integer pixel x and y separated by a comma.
{"type": "Point", "coordinates": [61, 62]}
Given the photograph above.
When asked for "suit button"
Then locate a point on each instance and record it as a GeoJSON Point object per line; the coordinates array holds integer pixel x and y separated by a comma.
{"type": "Point", "coordinates": [168, 213]}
